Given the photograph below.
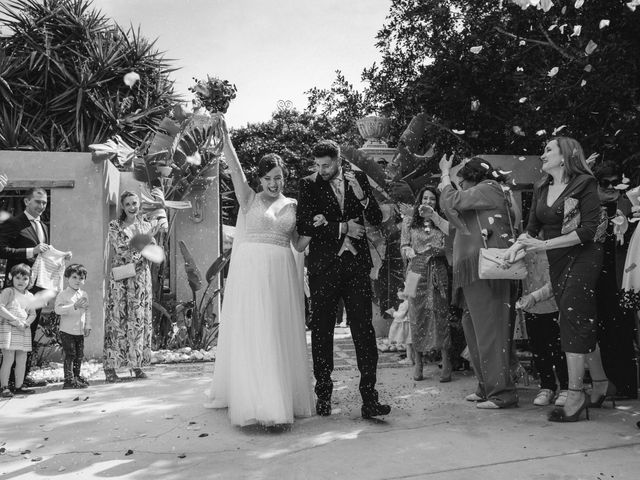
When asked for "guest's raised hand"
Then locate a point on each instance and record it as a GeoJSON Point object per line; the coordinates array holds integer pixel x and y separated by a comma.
{"type": "Point", "coordinates": [446, 163]}
{"type": "Point", "coordinates": [355, 185]}
{"type": "Point", "coordinates": [319, 220]}
{"type": "Point", "coordinates": [426, 212]}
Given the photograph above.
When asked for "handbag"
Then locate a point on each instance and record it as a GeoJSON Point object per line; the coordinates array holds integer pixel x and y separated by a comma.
{"type": "Point", "coordinates": [491, 265]}
{"type": "Point", "coordinates": [123, 272]}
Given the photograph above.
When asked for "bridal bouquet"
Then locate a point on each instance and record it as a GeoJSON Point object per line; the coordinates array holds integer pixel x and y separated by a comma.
{"type": "Point", "coordinates": [213, 94]}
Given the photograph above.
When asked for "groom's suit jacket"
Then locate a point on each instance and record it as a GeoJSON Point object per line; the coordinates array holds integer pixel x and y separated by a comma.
{"type": "Point", "coordinates": [316, 196]}
{"type": "Point", "coordinates": [16, 235]}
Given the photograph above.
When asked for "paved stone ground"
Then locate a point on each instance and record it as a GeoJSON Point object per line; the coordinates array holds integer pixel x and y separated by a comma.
{"type": "Point", "coordinates": [157, 428]}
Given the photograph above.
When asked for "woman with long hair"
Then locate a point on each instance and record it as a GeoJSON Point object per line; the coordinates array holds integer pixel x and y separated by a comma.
{"type": "Point", "coordinates": [423, 244]}
{"type": "Point", "coordinates": [566, 210]}
{"type": "Point", "coordinates": [128, 324]}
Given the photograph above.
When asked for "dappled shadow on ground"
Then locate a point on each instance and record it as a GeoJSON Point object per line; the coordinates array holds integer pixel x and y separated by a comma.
{"type": "Point", "coordinates": [158, 428]}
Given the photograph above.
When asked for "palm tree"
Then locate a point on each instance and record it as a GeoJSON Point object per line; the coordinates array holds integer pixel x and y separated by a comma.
{"type": "Point", "coordinates": [61, 78]}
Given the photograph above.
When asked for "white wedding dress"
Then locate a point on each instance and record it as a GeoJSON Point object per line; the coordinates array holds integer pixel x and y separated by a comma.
{"type": "Point", "coordinates": [261, 371]}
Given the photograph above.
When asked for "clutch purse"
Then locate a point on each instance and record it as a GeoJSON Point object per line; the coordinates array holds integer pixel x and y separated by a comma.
{"type": "Point", "coordinates": [123, 272]}
{"type": "Point", "coordinates": [411, 284]}
{"type": "Point", "coordinates": [491, 265]}
{"type": "Point", "coordinates": [571, 217]}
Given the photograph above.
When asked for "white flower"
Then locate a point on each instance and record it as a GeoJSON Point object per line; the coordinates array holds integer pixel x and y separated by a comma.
{"type": "Point", "coordinates": [553, 72]}
{"type": "Point", "coordinates": [130, 79]}
{"type": "Point", "coordinates": [604, 23]}
{"type": "Point", "coordinates": [557, 130]}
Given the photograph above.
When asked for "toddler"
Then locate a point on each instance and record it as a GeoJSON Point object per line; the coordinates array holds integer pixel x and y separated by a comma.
{"type": "Point", "coordinates": [16, 315]}
{"type": "Point", "coordinates": [72, 305]}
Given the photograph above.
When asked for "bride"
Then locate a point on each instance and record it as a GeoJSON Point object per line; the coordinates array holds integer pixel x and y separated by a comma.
{"type": "Point", "coordinates": [261, 370]}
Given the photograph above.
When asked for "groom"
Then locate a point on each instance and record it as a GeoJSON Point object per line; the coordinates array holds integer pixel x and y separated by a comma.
{"type": "Point", "coordinates": [332, 204]}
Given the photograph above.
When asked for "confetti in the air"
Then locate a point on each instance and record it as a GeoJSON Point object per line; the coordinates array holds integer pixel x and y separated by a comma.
{"type": "Point", "coordinates": [579, 3]}
{"type": "Point", "coordinates": [458, 132]}
{"type": "Point", "coordinates": [590, 48]}
{"type": "Point", "coordinates": [553, 72]}
{"type": "Point", "coordinates": [577, 30]}
{"type": "Point", "coordinates": [558, 130]}
{"type": "Point", "coordinates": [518, 130]}
{"type": "Point", "coordinates": [522, 99]}
{"type": "Point", "coordinates": [604, 23]}
{"type": "Point", "coordinates": [476, 50]}
{"type": "Point", "coordinates": [541, 132]}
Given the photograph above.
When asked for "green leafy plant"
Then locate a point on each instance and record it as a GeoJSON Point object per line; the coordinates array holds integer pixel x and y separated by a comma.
{"type": "Point", "coordinates": [62, 71]}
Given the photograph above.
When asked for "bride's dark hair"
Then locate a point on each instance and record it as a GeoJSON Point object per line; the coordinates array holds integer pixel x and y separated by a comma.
{"type": "Point", "coordinates": [269, 162]}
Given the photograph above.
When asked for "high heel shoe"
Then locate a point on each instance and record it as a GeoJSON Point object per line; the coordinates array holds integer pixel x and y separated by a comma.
{"type": "Point", "coordinates": [608, 395]}
{"type": "Point", "coordinates": [559, 414]}
{"type": "Point", "coordinates": [110, 376]}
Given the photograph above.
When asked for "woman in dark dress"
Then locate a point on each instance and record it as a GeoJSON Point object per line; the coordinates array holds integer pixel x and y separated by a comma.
{"type": "Point", "coordinates": [566, 209]}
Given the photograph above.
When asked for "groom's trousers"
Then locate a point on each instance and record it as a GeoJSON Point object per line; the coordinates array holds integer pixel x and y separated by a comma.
{"type": "Point", "coordinates": [351, 283]}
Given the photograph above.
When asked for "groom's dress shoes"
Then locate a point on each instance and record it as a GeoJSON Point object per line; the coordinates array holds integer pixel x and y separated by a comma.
{"type": "Point", "coordinates": [323, 408]}
{"type": "Point", "coordinates": [375, 409]}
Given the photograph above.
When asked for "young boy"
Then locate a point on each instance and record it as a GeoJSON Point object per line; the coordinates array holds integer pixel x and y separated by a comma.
{"type": "Point", "coordinates": [72, 305]}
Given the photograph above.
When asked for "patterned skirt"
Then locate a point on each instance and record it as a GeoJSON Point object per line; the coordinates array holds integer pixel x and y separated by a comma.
{"type": "Point", "coordinates": [429, 309]}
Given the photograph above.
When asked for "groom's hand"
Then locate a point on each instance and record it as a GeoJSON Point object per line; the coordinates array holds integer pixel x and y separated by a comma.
{"type": "Point", "coordinates": [354, 229]}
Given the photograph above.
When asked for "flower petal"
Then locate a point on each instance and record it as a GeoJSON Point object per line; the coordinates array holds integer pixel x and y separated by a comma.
{"type": "Point", "coordinates": [553, 72]}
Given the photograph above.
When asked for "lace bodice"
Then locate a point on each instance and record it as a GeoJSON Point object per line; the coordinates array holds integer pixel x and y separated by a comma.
{"type": "Point", "coordinates": [273, 224]}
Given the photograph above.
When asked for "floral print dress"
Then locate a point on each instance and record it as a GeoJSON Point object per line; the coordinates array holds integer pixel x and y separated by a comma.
{"type": "Point", "coordinates": [128, 324]}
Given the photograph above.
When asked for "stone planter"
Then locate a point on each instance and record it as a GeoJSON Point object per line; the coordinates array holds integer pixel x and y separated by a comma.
{"type": "Point", "coordinates": [374, 129]}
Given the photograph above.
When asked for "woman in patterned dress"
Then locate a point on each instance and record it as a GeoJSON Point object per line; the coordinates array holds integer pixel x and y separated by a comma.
{"type": "Point", "coordinates": [423, 243]}
{"type": "Point", "coordinates": [128, 326]}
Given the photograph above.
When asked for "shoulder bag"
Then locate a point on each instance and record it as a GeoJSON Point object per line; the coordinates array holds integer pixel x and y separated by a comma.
{"type": "Point", "coordinates": [491, 264]}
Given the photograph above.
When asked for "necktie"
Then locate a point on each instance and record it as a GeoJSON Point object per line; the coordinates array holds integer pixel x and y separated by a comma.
{"type": "Point", "coordinates": [39, 230]}
{"type": "Point", "coordinates": [336, 184]}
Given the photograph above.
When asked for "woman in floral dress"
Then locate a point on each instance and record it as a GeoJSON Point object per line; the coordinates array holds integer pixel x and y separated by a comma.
{"type": "Point", "coordinates": [128, 326]}
{"type": "Point", "coordinates": [423, 243]}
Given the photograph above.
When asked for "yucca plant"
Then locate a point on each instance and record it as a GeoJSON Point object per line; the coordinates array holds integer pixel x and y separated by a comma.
{"type": "Point", "coordinates": [61, 78]}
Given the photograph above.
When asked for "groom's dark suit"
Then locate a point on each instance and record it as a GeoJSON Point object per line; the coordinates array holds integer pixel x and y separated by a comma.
{"type": "Point", "coordinates": [332, 277]}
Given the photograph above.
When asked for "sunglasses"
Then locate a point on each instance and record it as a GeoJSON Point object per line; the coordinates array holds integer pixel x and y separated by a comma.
{"type": "Point", "coordinates": [606, 183]}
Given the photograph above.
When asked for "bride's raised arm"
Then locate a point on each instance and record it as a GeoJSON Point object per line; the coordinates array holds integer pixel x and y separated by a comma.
{"type": "Point", "coordinates": [244, 193]}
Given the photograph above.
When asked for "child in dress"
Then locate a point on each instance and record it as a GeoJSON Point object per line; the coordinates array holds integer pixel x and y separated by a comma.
{"type": "Point", "coordinates": [400, 330]}
{"type": "Point", "coordinates": [16, 315]}
{"type": "Point", "coordinates": [72, 304]}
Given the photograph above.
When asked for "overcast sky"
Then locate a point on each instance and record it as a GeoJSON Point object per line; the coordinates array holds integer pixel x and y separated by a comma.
{"type": "Point", "coordinates": [271, 49]}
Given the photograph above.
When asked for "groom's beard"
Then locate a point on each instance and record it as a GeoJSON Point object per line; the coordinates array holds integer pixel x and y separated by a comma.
{"type": "Point", "coordinates": [336, 174]}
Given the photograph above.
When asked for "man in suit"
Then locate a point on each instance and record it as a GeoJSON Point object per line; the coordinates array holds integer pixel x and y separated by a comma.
{"type": "Point", "coordinates": [332, 206]}
{"type": "Point", "coordinates": [22, 238]}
